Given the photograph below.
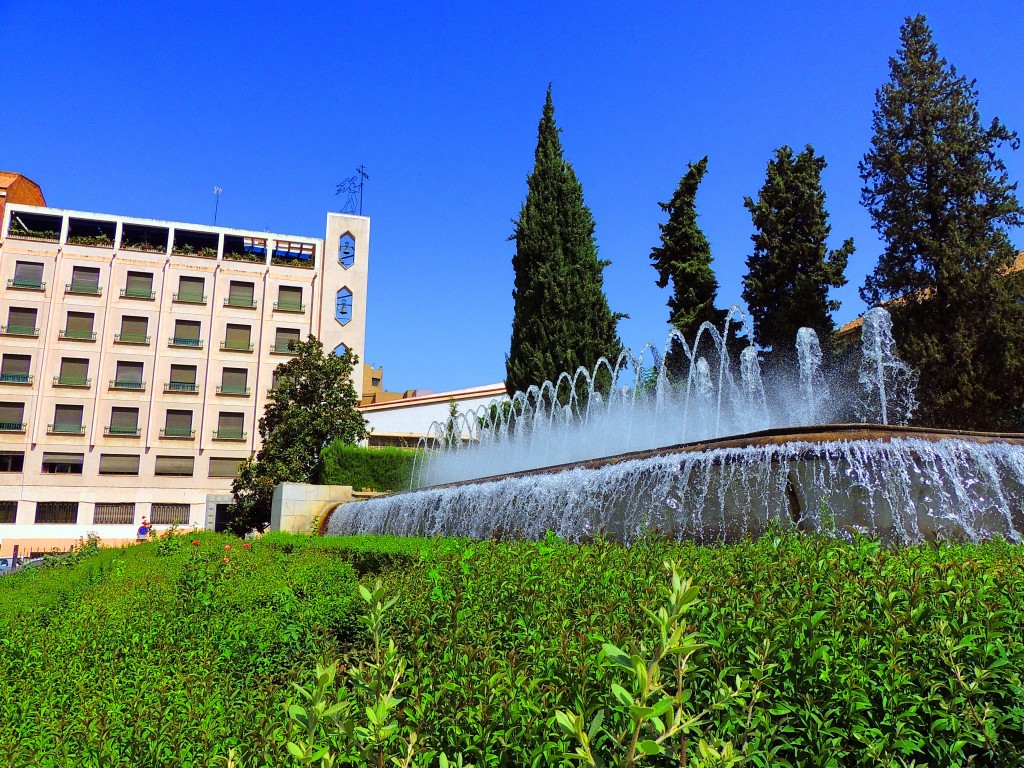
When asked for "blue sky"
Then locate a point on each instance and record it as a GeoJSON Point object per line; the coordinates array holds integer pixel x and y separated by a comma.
{"type": "Point", "coordinates": [141, 108]}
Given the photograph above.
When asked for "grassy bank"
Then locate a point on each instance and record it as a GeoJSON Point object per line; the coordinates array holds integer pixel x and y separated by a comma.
{"type": "Point", "coordinates": [797, 651]}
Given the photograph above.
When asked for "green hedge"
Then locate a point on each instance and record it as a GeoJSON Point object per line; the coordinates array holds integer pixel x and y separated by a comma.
{"type": "Point", "coordinates": [377, 469]}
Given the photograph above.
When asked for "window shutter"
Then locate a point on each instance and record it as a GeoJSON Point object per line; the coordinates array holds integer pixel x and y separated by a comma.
{"type": "Point", "coordinates": [85, 276]}
{"type": "Point", "coordinates": [74, 368]}
{"type": "Point", "coordinates": [138, 326]}
{"type": "Point", "coordinates": [289, 295]}
{"type": "Point", "coordinates": [28, 271]}
{"type": "Point", "coordinates": [115, 464]}
{"type": "Point", "coordinates": [238, 334]}
{"type": "Point", "coordinates": [235, 377]}
{"type": "Point", "coordinates": [140, 281]}
{"type": "Point", "coordinates": [284, 335]}
{"type": "Point", "coordinates": [186, 329]}
{"type": "Point", "coordinates": [22, 316]}
{"type": "Point", "coordinates": [114, 514]}
{"type": "Point", "coordinates": [231, 422]}
{"type": "Point", "coordinates": [74, 459]}
{"type": "Point", "coordinates": [242, 292]}
{"type": "Point", "coordinates": [67, 414]}
{"type": "Point", "coordinates": [191, 286]}
{"type": "Point", "coordinates": [12, 413]}
{"type": "Point", "coordinates": [222, 467]}
{"type": "Point", "coordinates": [183, 374]}
{"type": "Point", "coordinates": [124, 417]}
{"type": "Point", "coordinates": [179, 466]}
{"type": "Point", "coordinates": [179, 420]}
{"type": "Point", "coordinates": [16, 364]}
{"type": "Point", "coordinates": [129, 372]}
{"type": "Point", "coordinates": [79, 321]}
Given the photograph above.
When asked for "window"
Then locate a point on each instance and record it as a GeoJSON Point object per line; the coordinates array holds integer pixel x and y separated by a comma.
{"type": "Point", "coordinates": [236, 338]}
{"type": "Point", "coordinates": [240, 294]}
{"type": "Point", "coordinates": [56, 511]}
{"type": "Point", "coordinates": [67, 419]}
{"type": "Point", "coordinates": [63, 463]}
{"type": "Point", "coordinates": [12, 461]}
{"type": "Point", "coordinates": [343, 306]}
{"type": "Point", "coordinates": [74, 372]}
{"type": "Point", "coordinates": [191, 290]}
{"type": "Point", "coordinates": [12, 417]}
{"type": "Point", "coordinates": [15, 369]}
{"type": "Point", "coordinates": [28, 275]}
{"type": "Point", "coordinates": [114, 514]}
{"type": "Point", "coordinates": [8, 512]}
{"type": "Point", "coordinates": [21, 321]}
{"type": "Point", "coordinates": [134, 330]}
{"type": "Point", "coordinates": [224, 467]}
{"type": "Point", "coordinates": [178, 424]}
{"type": "Point", "coordinates": [174, 466]}
{"type": "Point", "coordinates": [35, 226]}
{"type": "Point", "coordinates": [230, 426]}
{"type": "Point", "coordinates": [289, 299]}
{"type": "Point", "coordinates": [84, 280]}
{"type": "Point", "coordinates": [139, 285]}
{"type": "Point", "coordinates": [78, 326]}
{"type": "Point", "coordinates": [347, 250]}
{"type": "Point", "coordinates": [294, 254]}
{"type": "Point", "coordinates": [128, 375]}
{"type": "Point", "coordinates": [124, 422]}
{"type": "Point", "coordinates": [118, 464]}
{"type": "Point", "coordinates": [245, 248]}
{"type": "Point", "coordinates": [201, 244]}
{"type": "Point", "coordinates": [183, 379]}
{"type": "Point", "coordinates": [91, 232]}
{"type": "Point", "coordinates": [169, 514]}
{"type": "Point", "coordinates": [186, 334]}
{"type": "Point", "coordinates": [285, 339]}
{"type": "Point", "coordinates": [234, 381]}
{"type": "Point", "coordinates": [137, 237]}
{"type": "Point", "coordinates": [340, 350]}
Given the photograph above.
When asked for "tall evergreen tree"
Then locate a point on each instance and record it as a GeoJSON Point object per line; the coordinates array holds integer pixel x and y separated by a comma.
{"type": "Point", "coordinates": [684, 259]}
{"type": "Point", "coordinates": [941, 200]}
{"type": "Point", "coordinates": [562, 319]}
{"type": "Point", "coordinates": [792, 269]}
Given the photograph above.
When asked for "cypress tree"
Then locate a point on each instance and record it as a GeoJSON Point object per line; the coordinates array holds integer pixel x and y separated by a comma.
{"type": "Point", "coordinates": [684, 259]}
{"type": "Point", "coordinates": [562, 319]}
{"type": "Point", "coordinates": [791, 270]}
{"type": "Point", "coordinates": [940, 198]}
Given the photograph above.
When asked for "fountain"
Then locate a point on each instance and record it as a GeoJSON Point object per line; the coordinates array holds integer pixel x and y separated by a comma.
{"type": "Point", "coordinates": [694, 446]}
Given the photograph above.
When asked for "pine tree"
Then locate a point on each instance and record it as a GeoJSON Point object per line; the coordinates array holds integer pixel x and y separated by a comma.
{"type": "Point", "coordinates": [940, 198]}
{"type": "Point", "coordinates": [792, 269]}
{"type": "Point", "coordinates": [684, 259]}
{"type": "Point", "coordinates": [562, 319]}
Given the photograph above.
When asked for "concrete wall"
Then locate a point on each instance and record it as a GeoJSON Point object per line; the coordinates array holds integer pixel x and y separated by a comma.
{"type": "Point", "coordinates": [410, 418]}
{"type": "Point", "coordinates": [297, 506]}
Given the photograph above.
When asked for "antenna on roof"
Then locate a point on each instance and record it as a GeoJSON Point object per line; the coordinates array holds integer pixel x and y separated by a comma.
{"type": "Point", "coordinates": [353, 187]}
{"type": "Point", "coordinates": [216, 205]}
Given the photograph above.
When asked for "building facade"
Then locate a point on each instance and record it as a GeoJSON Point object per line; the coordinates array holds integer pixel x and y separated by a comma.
{"type": "Point", "coordinates": [136, 356]}
{"type": "Point", "coordinates": [402, 422]}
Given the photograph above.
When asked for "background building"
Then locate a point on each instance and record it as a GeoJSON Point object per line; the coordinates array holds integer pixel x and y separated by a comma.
{"type": "Point", "coordinates": [136, 356]}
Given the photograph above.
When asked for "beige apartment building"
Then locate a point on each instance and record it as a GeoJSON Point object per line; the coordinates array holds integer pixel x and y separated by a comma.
{"type": "Point", "coordinates": [136, 356]}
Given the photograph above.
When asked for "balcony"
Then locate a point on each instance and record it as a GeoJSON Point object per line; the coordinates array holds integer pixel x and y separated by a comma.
{"type": "Point", "coordinates": [178, 433]}
{"type": "Point", "coordinates": [289, 306]}
{"type": "Point", "coordinates": [137, 293]}
{"type": "Point", "coordinates": [181, 341]}
{"type": "Point", "coordinates": [15, 378]}
{"type": "Point", "coordinates": [240, 302]}
{"type": "Point", "coordinates": [116, 431]}
{"type": "Point", "coordinates": [26, 285]}
{"type": "Point", "coordinates": [189, 298]}
{"type": "Point", "coordinates": [236, 346]}
{"type": "Point", "coordinates": [72, 334]}
{"type": "Point", "coordinates": [131, 338]}
{"type": "Point", "coordinates": [12, 426]}
{"type": "Point", "coordinates": [19, 330]}
{"type": "Point", "coordinates": [229, 434]}
{"type": "Point", "coordinates": [83, 289]}
{"type": "Point", "coordinates": [284, 347]}
{"type": "Point", "coordinates": [182, 387]}
{"type": "Point", "coordinates": [65, 429]}
{"type": "Point", "coordinates": [129, 384]}
{"type": "Point", "coordinates": [233, 390]}
{"type": "Point", "coordinates": [79, 382]}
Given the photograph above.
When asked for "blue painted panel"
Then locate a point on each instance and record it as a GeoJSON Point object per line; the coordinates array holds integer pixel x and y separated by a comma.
{"type": "Point", "coordinates": [347, 250]}
{"type": "Point", "coordinates": [343, 306]}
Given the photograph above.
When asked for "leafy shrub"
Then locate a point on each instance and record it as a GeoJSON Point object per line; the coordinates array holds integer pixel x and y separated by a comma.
{"type": "Point", "coordinates": [376, 469]}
